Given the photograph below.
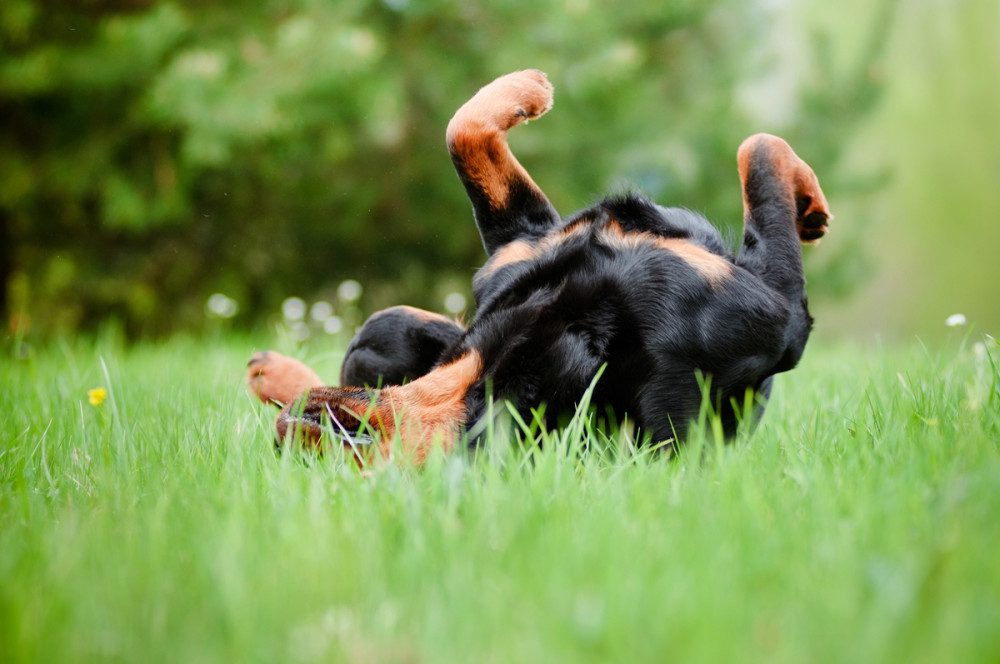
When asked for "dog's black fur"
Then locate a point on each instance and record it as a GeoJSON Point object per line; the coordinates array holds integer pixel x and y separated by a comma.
{"type": "Point", "coordinates": [397, 345]}
{"type": "Point", "coordinates": [652, 294]}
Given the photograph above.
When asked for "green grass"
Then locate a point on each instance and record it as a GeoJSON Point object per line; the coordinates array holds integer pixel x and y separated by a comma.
{"type": "Point", "coordinates": [859, 523]}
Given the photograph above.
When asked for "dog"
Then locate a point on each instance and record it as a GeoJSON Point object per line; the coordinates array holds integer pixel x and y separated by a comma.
{"type": "Point", "coordinates": [650, 295]}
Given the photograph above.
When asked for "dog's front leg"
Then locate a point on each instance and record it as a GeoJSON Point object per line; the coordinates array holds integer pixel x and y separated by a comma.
{"type": "Point", "coordinates": [506, 201]}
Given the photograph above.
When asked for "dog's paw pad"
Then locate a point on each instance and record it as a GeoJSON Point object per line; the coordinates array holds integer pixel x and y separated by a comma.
{"type": "Point", "coordinates": [813, 219]}
{"type": "Point", "coordinates": [776, 158]}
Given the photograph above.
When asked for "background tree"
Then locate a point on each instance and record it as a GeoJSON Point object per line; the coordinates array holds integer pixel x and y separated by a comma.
{"type": "Point", "coordinates": [152, 153]}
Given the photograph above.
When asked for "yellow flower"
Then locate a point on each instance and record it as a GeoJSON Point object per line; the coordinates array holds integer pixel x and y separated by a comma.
{"type": "Point", "coordinates": [96, 396]}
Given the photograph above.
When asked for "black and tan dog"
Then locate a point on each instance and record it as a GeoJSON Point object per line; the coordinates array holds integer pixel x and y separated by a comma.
{"type": "Point", "coordinates": [650, 293]}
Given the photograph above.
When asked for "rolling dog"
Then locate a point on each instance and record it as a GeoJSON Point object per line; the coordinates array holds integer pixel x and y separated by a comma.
{"type": "Point", "coordinates": [652, 294]}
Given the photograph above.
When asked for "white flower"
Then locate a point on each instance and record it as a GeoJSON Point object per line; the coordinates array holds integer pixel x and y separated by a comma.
{"type": "Point", "coordinates": [955, 320]}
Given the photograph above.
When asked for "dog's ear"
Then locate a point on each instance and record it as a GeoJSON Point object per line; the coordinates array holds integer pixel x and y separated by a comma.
{"type": "Point", "coordinates": [397, 345]}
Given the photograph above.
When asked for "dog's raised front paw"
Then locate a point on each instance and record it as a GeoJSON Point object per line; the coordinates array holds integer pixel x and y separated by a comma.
{"type": "Point", "coordinates": [505, 103]}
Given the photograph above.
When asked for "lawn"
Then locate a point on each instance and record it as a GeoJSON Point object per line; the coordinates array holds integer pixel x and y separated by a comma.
{"type": "Point", "coordinates": [859, 523]}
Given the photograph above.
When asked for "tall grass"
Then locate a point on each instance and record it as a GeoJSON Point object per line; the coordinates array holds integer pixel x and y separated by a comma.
{"type": "Point", "coordinates": [858, 523]}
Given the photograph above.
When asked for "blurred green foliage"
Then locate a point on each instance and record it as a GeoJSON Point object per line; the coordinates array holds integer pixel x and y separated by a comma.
{"type": "Point", "coordinates": [937, 131]}
{"type": "Point", "coordinates": [153, 153]}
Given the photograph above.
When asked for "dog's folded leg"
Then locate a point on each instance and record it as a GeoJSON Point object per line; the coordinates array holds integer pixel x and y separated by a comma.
{"type": "Point", "coordinates": [506, 201]}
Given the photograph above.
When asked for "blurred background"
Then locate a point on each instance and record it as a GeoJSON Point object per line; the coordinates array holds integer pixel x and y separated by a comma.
{"type": "Point", "coordinates": [182, 166]}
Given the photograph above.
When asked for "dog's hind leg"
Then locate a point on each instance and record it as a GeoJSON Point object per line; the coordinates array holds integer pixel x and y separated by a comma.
{"type": "Point", "coordinates": [783, 206]}
{"type": "Point", "coordinates": [506, 201]}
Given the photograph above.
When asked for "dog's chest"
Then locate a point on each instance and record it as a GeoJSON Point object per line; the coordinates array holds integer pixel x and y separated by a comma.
{"type": "Point", "coordinates": [599, 246]}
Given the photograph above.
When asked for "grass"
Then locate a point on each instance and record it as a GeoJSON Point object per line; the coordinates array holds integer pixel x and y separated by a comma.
{"type": "Point", "coordinates": [859, 523]}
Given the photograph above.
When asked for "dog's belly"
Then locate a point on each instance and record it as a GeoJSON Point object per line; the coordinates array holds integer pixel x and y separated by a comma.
{"type": "Point", "coordinates": [652, 310]}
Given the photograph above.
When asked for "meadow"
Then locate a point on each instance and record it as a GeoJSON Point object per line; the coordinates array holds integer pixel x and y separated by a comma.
{"type": "Point", "coordinates": [154, 522]}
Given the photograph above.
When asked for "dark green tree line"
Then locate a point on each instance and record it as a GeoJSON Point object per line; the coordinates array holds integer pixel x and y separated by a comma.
{"type": "Point", "coordinates": [152, 153]}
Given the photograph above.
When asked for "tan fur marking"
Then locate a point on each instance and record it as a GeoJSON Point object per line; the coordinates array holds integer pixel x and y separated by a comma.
{"type": "Point", "coordinates": [422, 315]}
{"type": "Point", "coordinates": [573, 228]}
{"type": "Point", "coordinates": [423, 413]}
{"type": "Point", "coordinates": [489, 163]}
{"type": "Point", "coordinates": [514, 252]}
{"type": "Point", "coordinates": [431, 408]}
{"type": "Point", "coordinates": [714, 269]}
{"type": "Point", "coordinates": [519, 251]}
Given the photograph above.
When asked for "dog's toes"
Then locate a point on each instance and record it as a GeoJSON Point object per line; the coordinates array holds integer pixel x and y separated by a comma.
{"type": "Point", "coordinates": [534, 93]}
{"type": "Point", "coordinates": [528, 94]}
{"type": "Point", "coordinates": [258, 357]}
{"type": "Point", "coordinates": [508, 101]}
